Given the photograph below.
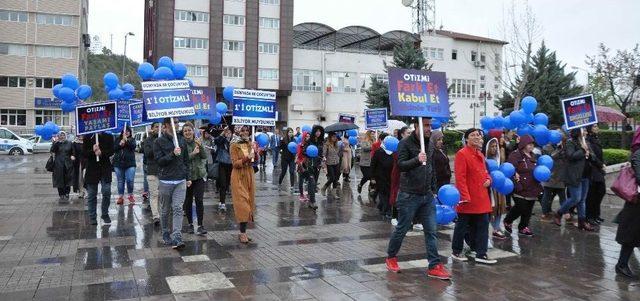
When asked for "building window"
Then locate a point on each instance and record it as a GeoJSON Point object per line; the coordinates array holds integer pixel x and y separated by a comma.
{"type": "Point", "coordinates": [365, 80]}
{"type": "Point", "coordinates": [463, 88]}
{"type": "Point", "coordinates": [269, 48]}
{"type": "Point", "coordinates": [13, 16]}
{"type": "Point", "coordinates": [483, 57]}
{"type": "Point", "coordinates": [13, 117]}
{"type": "Point", "coordinates": [44, 19]}
{"type": "Point", "coordinates": [345, 82]}
{"type": "Point", "coordinates": [54, 52]}
{"type": "Point", "coordinates": [434, 53]}
{"type": "Point", "coordinates": [191, 43]}
{"type": "Point", "coordinates": [474, 56]}
{"type": "Point", "coordinates": [454, 55]}
{"type": "Point", "coordinates": [47, 83]}
{"type": "Point", "coordinates": [268, 74]}
{"type": "Point", "coordinates": [233, 72]}
{"type": "Point", "coordinates": [271, 23]}
{"type": "Point", "coordinates": [13, 49]}
{"type": "Point", "coordinates": [197, 70]}
{"type": "Point", "coordinates": [233, 45]}
{"type": "Point", "coordinates": [270, 2]}
{"type": "Point", "coordinates": [42, 116]}
{"type": "Point", "coordinates": [233, 20]}
{"type": "Point", "coordinates": [13, 81]}
{"type": "Point", "coordinates": [307, 80]}
{"type": "Point", "coordinates": [192, 16]}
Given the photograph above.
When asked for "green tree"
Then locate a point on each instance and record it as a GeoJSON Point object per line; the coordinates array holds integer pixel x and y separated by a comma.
{"type": "Point", "coordinates": [547, 81]}
{"type": "Point", "coordinates": [99, 64]}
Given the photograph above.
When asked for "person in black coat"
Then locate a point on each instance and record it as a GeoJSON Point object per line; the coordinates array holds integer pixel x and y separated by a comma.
{"type": "Point", "coordinates": [98, 171]}
{"type": "Point", "coordinates": [597, 187]}
{"type": "Point", "coordinates": [124, 162]}
{"type": "Point", "coordinates": [78, 168]}
{"type": "Point", "coordinates": [64, 156]}
{"type": "Point", "coordinates": [287, 161]}
{"type": "Point", "coordinates": [381, 166]}
{"type": "Point", "coordinates": [628, 234]}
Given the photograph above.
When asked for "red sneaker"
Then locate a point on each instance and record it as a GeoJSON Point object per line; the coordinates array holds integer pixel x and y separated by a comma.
{"type": "Point", "coordinates": [439, 272]}
{"type": "Point", "coordinates": [120, 200]}
{"type": "Point", "coordinates": [131, 199]}
{"type": "Point", "coordinates": [392, 264]}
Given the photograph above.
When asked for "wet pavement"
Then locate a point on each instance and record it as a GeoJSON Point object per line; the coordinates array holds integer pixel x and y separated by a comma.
{"type": "Point", "coordinates": [49, 251]}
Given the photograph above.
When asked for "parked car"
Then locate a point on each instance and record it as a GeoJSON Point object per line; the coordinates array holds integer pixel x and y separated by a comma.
{"type": "Point", "coordinates": [12, 144]}
{"type": "Point", "coordinates": [40, 145]}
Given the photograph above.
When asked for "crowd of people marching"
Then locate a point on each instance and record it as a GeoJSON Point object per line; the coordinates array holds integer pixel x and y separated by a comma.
{"type": "Point", "coordinates": [403, 182]}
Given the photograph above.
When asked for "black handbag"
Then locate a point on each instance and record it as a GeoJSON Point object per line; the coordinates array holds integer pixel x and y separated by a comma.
{"type": "Point", "coordinates": [50, 164]}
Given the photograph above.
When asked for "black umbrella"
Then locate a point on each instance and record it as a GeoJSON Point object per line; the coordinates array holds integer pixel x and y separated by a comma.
{"type": "Point", "coordinates": [340, 127]}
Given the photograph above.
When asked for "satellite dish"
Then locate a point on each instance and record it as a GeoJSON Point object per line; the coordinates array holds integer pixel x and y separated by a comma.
{"type": "Point", "coordinates": [407, 2]}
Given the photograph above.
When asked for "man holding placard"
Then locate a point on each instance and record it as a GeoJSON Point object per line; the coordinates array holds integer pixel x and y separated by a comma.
{"type": "Point", "coordinates": [174, 173]}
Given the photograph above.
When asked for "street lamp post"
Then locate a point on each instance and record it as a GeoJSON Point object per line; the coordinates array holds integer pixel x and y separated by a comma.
{"type": "Point", "coordinates": [124, 55]}
{"type": "Point", "coordinates": [474, 105]}
{"type": "Point", "coordinates": [485, 96]}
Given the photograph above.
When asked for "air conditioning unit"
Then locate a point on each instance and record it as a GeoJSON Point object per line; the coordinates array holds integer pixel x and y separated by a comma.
{"type": "Point", "coordinates": [478, 64]}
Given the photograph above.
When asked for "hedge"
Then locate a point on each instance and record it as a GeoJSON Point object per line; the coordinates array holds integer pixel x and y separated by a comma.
{"type": "Point", "coordinates": [613, 139]}
{"type": "Point", "coordinates": [615, 156]}
{"type": "Point", "coordinates": [452, 141]}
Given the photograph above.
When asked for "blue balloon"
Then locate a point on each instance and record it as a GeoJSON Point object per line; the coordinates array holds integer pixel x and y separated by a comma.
{"type": "Point", "coordinates": [46, 136]}
{"type": "Point", "coordinates": [546, 160]}
{"type": "Point", "coordinates": [517, 118]}
{"type": "Point", "coordinates": [67, 95]}
{"type": "Point", "coordinates": [541, 118]}
{"type": "Point", "coordinates": [497, 179]}
{"type": "Point", "coordinates": [292, 147]}
{"type": "Point", "coordinates": [435, 124]}
{"type": "Point", "coordinates": [110, 80]}
{"type": "Point", "coordinates": [542, 140]}
{"type": "Point", "coordinates": [217, 118]}
{"type": "Point", "coordinates": [84, 92]}
{"type": "Point", "coordinates": [529, 104]}
{"type": "Point", "coordinates": [306, 128]}
{"type": "Point", "coordinates": [115, 94]}
{"type": "Point", "coordinates": [312, 151]}
{"type": "Point", "coordinates": [530, 117]}
{"type": "Point", "coordinates": [507, 169]}
{"type": "Point", "coordinates": [353, 140]}
{"type": "Point", "coordinates": [498, 122]}
{"type": "Point", "coordinates": [555, 137]}
{"type": "Point", "coordinates": [492, 165]}
{"type": "Point", "coordinates": [70, 81]}
{"type": "Point", "coordinates": [507, 187]}
{"type": "Point", "coordinates": [145, 71]}
{"type": "Point", "coordinates": [227, 93]}
{"type": "Point", "coordinates": [56, 90]}
{"type": "Point", "coordinates": [179, 70]}
{"type": "Point", "coordinates": [68, 106]}
{"type": "Point", "coordinates": [163, 73]}
{"type": "Point", "coordinates": [128, 87]}
{"type": "Point", "coordinates": [221, 108]}
{"type": "Point", "coordinates": [486, 123]}
{"type": "Point", "coordinates": [444, 215]}
{"type": "Point", "coordinates": [298, 139]}
{"type": "Point", "coordinates": [352, 133]}
{"type": "Point", "coordinates": [38, 130]}
{"type": "Point", "coordinates": [391, 143]}
{"type": "Point", "coordinates": [506, 123]}
{"type": "Point", "coordinates": [263, 140]}
{"type": "Point", "coordinates": [51, 127]}
{"type": "Point", "coordinates": [449, 195]}
{"type": "Point", "coordinates": [165, 61]}
{"type": "Point", "coordinates": [542, 173]}
{"type": "Point", "coordinates": [524, 129]}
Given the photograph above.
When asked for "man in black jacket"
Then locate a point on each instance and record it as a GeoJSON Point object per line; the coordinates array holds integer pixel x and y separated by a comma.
{"type": "Point", "coordinates": [98, 172]}
{"type": "Point", "coordinates": [173, 164]}
{"type": "Point", "coordinates": [151, 169]}
{"type": "Point", "coordinates": [416, 199]}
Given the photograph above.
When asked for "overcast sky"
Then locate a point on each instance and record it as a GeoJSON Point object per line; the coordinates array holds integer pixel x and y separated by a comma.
{"type": "Point", "coordinates": [573, 28]}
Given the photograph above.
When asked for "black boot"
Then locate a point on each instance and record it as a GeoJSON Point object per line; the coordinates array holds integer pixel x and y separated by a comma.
{"type": "Point", "coordinates": [625, 271]}
{"type": "Point", "coordinates": [585, 226]}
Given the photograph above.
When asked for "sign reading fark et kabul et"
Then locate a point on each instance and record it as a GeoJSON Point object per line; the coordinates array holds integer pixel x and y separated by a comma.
{"type": "Point", "coordinates": [254, 107]}
{"type": "Point", "coordinates": [95, 118]}
{"type": "Point", "coordinates": [167, 99]}
{"type": "Point", "coordinates": [418, 93]}
{"type": "Point", "coordinates": [579, 111]}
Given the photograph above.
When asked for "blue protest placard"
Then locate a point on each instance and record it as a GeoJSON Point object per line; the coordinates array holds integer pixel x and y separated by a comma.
{"type": "Point", "coordinates": [204, 103]}
{"type": "Point", "coordinates": [167, 99]}
{"type": "Point", "coordinates": [95, 118]}
{"type": "Point", "coordinates": [579, 111]}
{"type": "Point", "coordinates": [123, 109]}
{"type": "Point", "coordinates": [418, 93]}
{"type": "Point", "coordinates": [138, 115]}
{"type": "Point", "coordinates": [375, 119]}
{"type": "Point", "coordinates": [254, 107]}
{"type": "Point", "coordinates": [346, 118]}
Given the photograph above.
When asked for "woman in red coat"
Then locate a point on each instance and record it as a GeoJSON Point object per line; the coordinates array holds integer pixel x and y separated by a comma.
{"type": "Point", "coordinates": [472, 180]}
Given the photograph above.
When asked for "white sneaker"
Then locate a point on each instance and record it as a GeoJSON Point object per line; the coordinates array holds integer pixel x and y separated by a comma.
{"type": "Point", "coordinates": [222, 207]}
{"type": "Point", "coordinates": [418, 227]}
{"type": "Point", "coordinates": [485, 260]}
{"type": "Point", "coordinates": [459, 257]}
{"type": "Point", "coordinates": [490, 245]}
{"type": "Point", "coordinates": [394, 222]}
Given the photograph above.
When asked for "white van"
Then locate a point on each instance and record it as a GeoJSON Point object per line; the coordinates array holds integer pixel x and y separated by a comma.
{"type": "Point", "coordinates": [12, 144]}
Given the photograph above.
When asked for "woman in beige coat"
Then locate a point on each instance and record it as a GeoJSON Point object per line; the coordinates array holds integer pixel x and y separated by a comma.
{"type": "Point", "coordinates": [243, 187]}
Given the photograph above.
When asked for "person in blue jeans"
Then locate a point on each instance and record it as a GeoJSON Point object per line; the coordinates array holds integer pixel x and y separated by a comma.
{"type": "Point", "coordinates": [174, 175]}
{"type": "Point", "coordinates": [96, 157]}
{"type": "Point", "coordinates": [274, 147]}
{"type": "Point", "coordinates": [577, 153]}
{"type": "Point", "coordinates": [124, 163]}
{"type": "Point", "coordinates": [416, 199]}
